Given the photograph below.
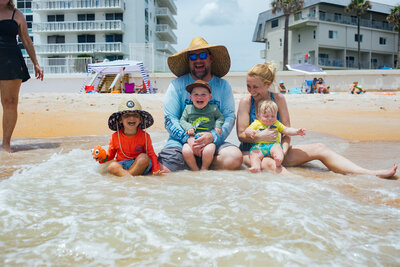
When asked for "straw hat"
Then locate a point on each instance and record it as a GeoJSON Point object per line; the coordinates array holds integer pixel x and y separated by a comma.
{"type": "Point", "coordinates": [198, 83]}
{"type": "Point", "coordinates": [129, 105]}
{"type": "Point", "coordinates": [179, 62]}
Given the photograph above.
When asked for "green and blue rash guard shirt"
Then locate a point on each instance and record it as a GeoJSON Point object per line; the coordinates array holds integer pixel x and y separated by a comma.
{"type": "Point", "coordinates": [176, 99]}
{"type": "Point", "coordinates": [201, 120]}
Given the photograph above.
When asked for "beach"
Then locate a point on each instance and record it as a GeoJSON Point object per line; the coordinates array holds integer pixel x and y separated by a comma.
{"type": "Point", "coordinates": [368, 117]}
{"type": "Point", "coordinates": [60, 207]}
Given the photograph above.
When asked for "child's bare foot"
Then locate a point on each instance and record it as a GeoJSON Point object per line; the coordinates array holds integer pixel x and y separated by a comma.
{"type": "Point", "coordinates": [254, 169]}
{"type": "Point", "coordinates": [6, 148]}
{"type": "Point", "coordinates": [278, 162]}
{"type": "Point", "coordinates": [387, 173]}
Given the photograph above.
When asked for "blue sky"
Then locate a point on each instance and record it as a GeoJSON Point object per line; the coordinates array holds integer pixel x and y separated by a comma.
{"type": "Point", "coordinates": [227, 22]}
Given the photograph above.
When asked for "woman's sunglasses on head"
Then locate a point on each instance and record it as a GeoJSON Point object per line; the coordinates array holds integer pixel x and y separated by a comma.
{"type": "Point", "coordinates": [202, 55]}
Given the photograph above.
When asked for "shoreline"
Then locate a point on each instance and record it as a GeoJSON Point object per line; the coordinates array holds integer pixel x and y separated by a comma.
{"type": "Point", "coordinates": [367, 117]}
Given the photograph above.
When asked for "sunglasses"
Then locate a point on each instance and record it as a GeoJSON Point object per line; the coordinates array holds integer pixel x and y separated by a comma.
{"type": "Point", "coordinates": [202, 55]}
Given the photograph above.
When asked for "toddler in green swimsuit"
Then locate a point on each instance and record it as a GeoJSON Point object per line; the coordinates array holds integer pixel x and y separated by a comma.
{"type": "Point", "coordinates": [267, 119]}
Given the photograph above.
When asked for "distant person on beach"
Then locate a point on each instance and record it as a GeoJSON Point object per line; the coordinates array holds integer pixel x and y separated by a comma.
{"type": "Point", "coordinates": [130, 143]}
{"type": "Point", "coordinates": [197, 118]}
{"type": "Point", "coordinates": [321, 86]}
{"type": "Point", "coordinates": [13, 70]}
{"type": "Point", "coordinates": [282, 87]}
{"type": "Point", "coordinates": [355, 88]}
{"type": "Point", "coordinates": [200, 61]}
{"type": "Point", "coordinates": [260, 79]}
{"type": "Point", "coordinates": [267, 119]}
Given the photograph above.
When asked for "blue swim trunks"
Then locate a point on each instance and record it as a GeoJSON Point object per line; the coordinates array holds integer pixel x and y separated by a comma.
{"type": "Point", "coordinates": [126, 164]}
{"type": "Point", "coordinates": [264, 148]}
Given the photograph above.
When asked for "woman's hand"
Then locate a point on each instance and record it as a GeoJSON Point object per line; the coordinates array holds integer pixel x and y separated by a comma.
{"type": "Point", "coordinates": [266, 135]}
{"type": "Point", "coordinates": [38, 72]}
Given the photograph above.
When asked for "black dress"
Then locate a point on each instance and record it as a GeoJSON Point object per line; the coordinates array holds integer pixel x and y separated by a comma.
{"type": "Point", "coordinates": [12, 63]}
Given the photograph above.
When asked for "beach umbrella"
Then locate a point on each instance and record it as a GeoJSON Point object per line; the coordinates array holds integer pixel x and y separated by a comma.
{"type": "Point", "coordinates": [306, 68]}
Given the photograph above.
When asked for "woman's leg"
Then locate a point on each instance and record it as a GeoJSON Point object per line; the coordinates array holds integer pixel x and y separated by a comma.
{"type": "Point", "coordinates": [298, 155]}
{"type": "Point", "coordinates": [9, 100]}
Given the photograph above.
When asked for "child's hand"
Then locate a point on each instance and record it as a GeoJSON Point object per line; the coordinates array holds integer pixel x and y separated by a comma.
{"type": "Point", "coordinates": [99, 153]}
{"type": "Point", "coordinates": [301, 132]}
{"type": "Point", "coordinates": [218, 130]}
{"type": "Point", "coordinates": [190, 132]}
{"type": "Point", "coordinates": [159, 173]}
{"type": "Point", "coordinates": [250, 133]}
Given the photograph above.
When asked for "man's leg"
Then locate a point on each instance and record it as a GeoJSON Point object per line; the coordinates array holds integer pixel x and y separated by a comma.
{"type": "Point", "coordinates": [229, 157]}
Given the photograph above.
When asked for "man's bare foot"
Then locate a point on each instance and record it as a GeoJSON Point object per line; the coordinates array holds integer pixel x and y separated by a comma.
{"type": "Point", "coordinates": [254, 169]}
{"type": "Point", "coordinates": [387, 173]}
{"type": "Point", "coordinates": [6, 148]}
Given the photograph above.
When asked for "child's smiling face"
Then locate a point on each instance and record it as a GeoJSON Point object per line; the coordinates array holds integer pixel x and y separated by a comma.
{"type": "Point", "coordinates": [268, 117]}
{"type": "Point", "coordinates": [131, 120]}
{"type": "Point", "coordinates": [200, 97]}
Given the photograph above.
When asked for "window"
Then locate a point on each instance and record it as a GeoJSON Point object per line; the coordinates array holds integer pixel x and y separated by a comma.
{"type": "Point", "coordinates": [268, 45]}
{"type": "Point", "coordinates": [333, 35]}
{"type": "Point", "coordinates": [382, 41]}
{"type": "Point", "coordinates": [56, 39]}
{"type": "Point", "coordinates": [114, 16]}
{"type": "Point", "coordinates": [111, 38]}
{"type": "Point", "coordinates": [298, 16]}
{"type": "Point", "coordinates": [314, 34]}
{"type": "Point", "coordinates": [280, 42]}
{"type": "Point", "coordinates": [298, 38]}
{"type": "Point", "coordinates": [29, 19]}
{"type": "Point", "coordinates": [338, 17]}
{"type": "Point", "coordinates": [86, 38]}
{"type": "Point", "coordinates": [86, 17]}
{"type": "Point", "coordinates": [53, 18]}
{"type": "Point", "coordinates": [353, 20]}
{"type": "Point", "coordinates": [24, 4]}
{"type": "Point", "coordinates": [259, 31]}
{"type": "Point", "coordinates": [322, 15]}
{"type": "Point", "coordinates": [275, 23]}
{"type": "Point", "coordinates": [356, 38]}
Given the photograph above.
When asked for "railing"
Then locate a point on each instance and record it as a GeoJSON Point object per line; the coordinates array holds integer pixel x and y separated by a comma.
{"type": "Point", "coordinates": [330, 62]}
{"type": "Point", "coordinates": [164, 11]}
{"type": "Point", "coordinates": [165, 46]}
{"type": "Point", "coordinates": [164, 28]}
{"type": "Point", "coordinates": [348, 20]}
{"type": "Point", "coordinates": [61, 65]}
{"type": "Point", "coordinates": [168, 3]}
{"type": "Point", "coordinates": [71, 26]}
{"type": "Point", "coordinates": [77, 4]}
{"type": "Point", "coordinates": [78, 48]}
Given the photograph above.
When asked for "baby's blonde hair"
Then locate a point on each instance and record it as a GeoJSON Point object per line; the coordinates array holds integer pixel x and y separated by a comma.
{"type": "Point", "coordinates": [266, 72]}
{"type": "Point", "coordinates": [267, 105]}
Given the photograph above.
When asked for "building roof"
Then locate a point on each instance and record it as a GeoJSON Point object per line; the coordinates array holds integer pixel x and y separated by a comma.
{"type": "Point", "coordinates": [267, 15]}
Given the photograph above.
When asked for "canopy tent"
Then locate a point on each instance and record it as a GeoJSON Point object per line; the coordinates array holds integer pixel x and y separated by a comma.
{"type": "Point", "coordinates": [119, 67]}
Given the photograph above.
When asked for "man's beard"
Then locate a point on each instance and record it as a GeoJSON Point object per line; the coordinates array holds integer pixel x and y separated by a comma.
{"type": "Point", "coordinates": [201, 75]}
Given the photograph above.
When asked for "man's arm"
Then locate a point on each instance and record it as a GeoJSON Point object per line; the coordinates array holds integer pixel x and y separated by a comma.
{"type": "Point", "coordinates": [172, 114]}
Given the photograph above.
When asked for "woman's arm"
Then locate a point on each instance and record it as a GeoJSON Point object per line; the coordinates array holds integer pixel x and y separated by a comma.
{"type": "Point", "coordinates": [27, 42]}
{"type": "Point", "coordinates": [284, 119]}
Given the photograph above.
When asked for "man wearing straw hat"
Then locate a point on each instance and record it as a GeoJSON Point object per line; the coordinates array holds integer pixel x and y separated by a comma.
{"type": "Point", "coordinates": [200, 61]}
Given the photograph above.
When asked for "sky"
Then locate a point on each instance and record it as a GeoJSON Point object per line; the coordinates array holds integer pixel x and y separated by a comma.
{"type": "Point", "coordinates": [226, 22]}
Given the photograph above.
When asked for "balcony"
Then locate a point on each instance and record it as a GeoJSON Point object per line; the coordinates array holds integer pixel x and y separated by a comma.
{"type": "Point", "coordinates": [165, 47]}
{"type": "Point", "coordinates": [165, 33]}
{"type": "Point", "coordinates": [80, 48]}
{"type": "Point", "coordinates": [166, 17]}
{"type": "Point", "coordinates": [311, 19]}
{"type": "Point", "coordinates": [115, 26]}
{"type": "Point", "coordinates": [334, 63]}
{"type": "Point", "coordinates": [74, 5]}
{"type": "Point", "coordinates": [169, 4]}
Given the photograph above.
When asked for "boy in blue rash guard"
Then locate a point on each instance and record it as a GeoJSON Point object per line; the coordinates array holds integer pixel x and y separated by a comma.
{"type": "Point", "coordinates": [200, 61]}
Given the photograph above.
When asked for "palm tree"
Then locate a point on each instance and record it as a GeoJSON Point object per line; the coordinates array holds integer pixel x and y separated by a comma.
{"type": "Point", "coordinates": [358, 7]}
{"type": "Point", "coordinates": [394, 18]}
{"type": "Point", "coordinates": [288, 7]}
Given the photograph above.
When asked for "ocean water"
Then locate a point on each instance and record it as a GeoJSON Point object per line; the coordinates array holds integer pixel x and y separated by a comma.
{"type": "Point", "coordinates": [59, 207]}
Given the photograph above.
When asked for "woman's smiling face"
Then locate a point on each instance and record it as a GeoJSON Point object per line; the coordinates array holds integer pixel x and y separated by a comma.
{"type": "Point", "coordinates": [256, 87]}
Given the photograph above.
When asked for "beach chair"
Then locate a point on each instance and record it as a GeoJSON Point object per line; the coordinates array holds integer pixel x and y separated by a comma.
{"type": "Point", "coordinates": [307, 86]}
{"type": "Point", "coordinates": [129, 88]}
{"type": "Point", "coordinates": [295, 90]}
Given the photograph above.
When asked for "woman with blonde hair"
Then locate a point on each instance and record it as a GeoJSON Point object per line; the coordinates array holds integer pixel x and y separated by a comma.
{"type": "Point", "coordinates": [13, 70]}
{"type": "Point", "coordinates": [260, 79]}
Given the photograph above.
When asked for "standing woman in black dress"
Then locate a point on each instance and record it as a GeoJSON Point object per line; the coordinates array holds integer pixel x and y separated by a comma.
{"type": "Point", "coordinates": [13, 70]}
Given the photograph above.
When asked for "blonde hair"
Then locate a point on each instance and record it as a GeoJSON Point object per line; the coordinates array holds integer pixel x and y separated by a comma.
{"type": "Point", "coordinates": [11, 4]}
{"type": "Point", "coordinates": [266, 72]}
{"type": "Point", "coordinates": [267, 105]}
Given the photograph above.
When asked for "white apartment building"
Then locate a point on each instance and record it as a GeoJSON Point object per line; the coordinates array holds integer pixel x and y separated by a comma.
{"type": "Point", "coordinates": [102, 29]}
{"type": "Point", "coordinates": [324, 31]}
